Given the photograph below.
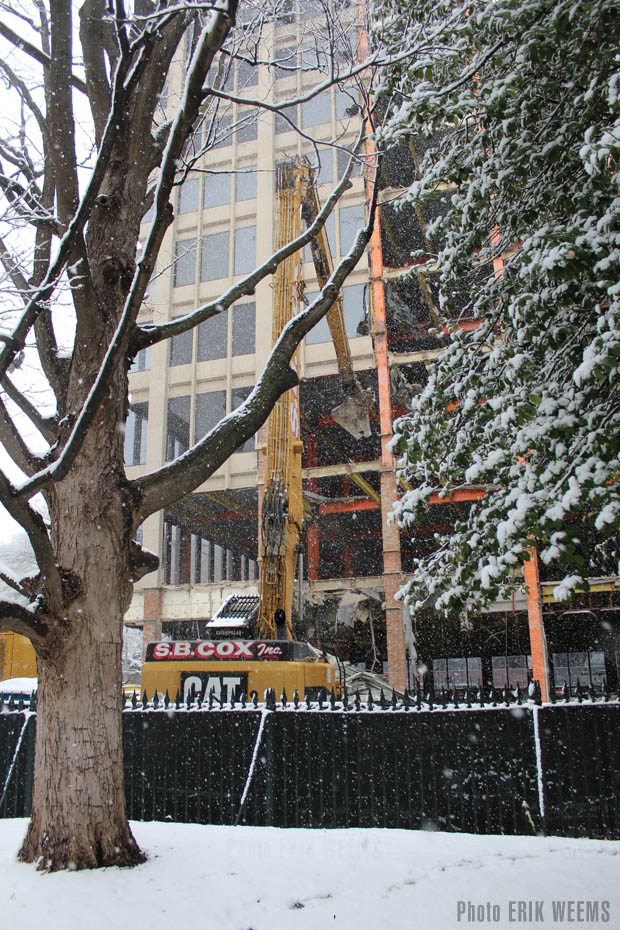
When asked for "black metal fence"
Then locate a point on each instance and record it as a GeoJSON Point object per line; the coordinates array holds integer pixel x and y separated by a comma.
{"type": "Point", "coordinates": [515, 768]}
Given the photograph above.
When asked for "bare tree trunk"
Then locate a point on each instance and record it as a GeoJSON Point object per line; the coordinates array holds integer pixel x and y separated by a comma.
{"type": "Point", "coordinates": [78, 813]}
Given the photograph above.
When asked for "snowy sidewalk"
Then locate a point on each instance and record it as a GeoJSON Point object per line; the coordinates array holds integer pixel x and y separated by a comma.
{"type": "Point", "coordinates": [260, 878]}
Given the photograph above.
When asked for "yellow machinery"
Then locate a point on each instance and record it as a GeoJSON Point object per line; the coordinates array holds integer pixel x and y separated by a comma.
{"type": "Point", "coordinates": [17, 657]}
{"type": "Point", "coordinates": [232, 668]}
{"type": "Point", "coordinates": [252, 646]}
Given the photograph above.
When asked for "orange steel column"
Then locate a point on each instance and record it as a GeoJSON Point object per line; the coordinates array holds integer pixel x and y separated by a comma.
{"type": "Point", "coordinates": [392, 567]}
{"type": "Point", "coordinates": [538, 640]}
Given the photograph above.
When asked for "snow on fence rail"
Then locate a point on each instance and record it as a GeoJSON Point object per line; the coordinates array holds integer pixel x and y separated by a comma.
{"type": "Point", "coordinates": [497, 764]}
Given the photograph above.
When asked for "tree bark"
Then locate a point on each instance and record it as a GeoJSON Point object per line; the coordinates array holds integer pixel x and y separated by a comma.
{"type": "Point", "coordinates": [78, 813]}
{"type": "Point", "coordinates": [78, 810]}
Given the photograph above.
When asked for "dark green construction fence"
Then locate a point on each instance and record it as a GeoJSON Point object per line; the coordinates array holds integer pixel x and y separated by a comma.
{"type": "Point", "coordinates": [513, 770]}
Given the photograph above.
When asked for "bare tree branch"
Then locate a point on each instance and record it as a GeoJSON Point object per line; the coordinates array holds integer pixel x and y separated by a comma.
{"type": "Point", "coordinates": [47, 426]}
{"type": "Point", "coordinates": [36, 53]}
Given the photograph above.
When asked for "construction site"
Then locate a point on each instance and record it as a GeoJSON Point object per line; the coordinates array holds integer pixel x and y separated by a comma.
{"type": "Point", "coordinates": [326, 468]}
{"type": "Point", "coordinates": [298, 521]}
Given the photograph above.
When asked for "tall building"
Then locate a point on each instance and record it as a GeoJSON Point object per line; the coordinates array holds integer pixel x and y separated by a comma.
{"type": "Point", "coordinates": [353, 558]}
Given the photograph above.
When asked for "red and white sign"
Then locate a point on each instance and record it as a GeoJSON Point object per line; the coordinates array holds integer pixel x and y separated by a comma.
{"type": "Point", "coordinates": [210, 649]}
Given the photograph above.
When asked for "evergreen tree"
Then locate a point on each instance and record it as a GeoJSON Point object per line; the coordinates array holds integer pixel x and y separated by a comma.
{"type": "Point", "coordinates": [521, 100]}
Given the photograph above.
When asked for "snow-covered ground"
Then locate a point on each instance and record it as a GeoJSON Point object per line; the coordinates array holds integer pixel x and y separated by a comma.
{"type": "Point", "coordinates": [259, 878]}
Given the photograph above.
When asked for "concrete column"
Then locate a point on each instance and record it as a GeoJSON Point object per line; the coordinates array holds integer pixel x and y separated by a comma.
{"type": "Point", "coordinates": [152, 611]}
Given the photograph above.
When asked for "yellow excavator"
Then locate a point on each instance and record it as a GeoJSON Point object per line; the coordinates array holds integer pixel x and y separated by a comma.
{"type": "Point", "coordinates": [17, 657]}
{"type": "Point", "coordinates": [251, 646]}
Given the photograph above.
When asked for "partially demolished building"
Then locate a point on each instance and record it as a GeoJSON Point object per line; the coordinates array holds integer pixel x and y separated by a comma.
{"type": "Point", "coordinates": [352, 560]}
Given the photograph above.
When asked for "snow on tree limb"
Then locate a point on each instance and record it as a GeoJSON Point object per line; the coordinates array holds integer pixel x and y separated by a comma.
{"type": "Point", "coordinates": [528, 403]}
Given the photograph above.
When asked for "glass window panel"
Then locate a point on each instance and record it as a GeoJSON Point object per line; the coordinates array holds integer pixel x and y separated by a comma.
{"type": "Point", "coordinates": [325, 173]}
{"type": "Point", "coordinates": [247, 130]}
{"type": "Point", "coordinates": [311, 56]}
{"type": "Point", "coordinates": [342, 160]}
{"type": "Point", "coordinates": [181, 348]}
{"type": "Point", "coordinates": [440, 674]}
{"type": "Point", "coordinates": [213, 338]}
{"type": "Point", "coordinates": [218, 563]}
{"type": "Point", "coordinates": [317, 110]}
{"type": "Point", "coordinates": [353, 310]}
{"type": "Point", "coordinates": [350, 219]}
{"type": "Point", "coordinates": [245, 184]}
{"type": "Point", "coordinates": [247, 73]}
{"type": "Point", "coordinates": [245, 249]}
{"type": "Point", "coordinates": [149, 216]}
{"type": "Point", "coordinates": [244, 329]}
{"type": "Point", "coordinates": [216, 190]}
{"type": "Point", "coordinates": [237, 396]}
{"type": "Point", "coordinates": [194, 143]}
{"type": "Point", "coordinates": [221, 73]}
{"type": "Point", "coordinates": [320, 332]}
{"type": "Point", "coordinates": [177, 427]}
{"type": "Point", "coordinates": [214, 256]}
{"type": "Point", "coordinates": [135, 434]}
{"type": "Point", "coordinates": [142, 361]}
{"type": "Point", "coordinates": [285, 11]}
{"type": "Point", "coordinates": [210, 408]}
{"type": "Point", "coordinates": [219, 134]}
{"type": "Point", "coordinates": [189, 195]}
{"type": "Point", "coordinates": [284, 125]}
{"type": "Point", "coordinates": [285, 61]}
{"type": "Point", "coordinates": [346, 103]}
{"type": "Point", "coordinates": [330, 226]}
{"type": "Point", "coordinates": [184, 262]}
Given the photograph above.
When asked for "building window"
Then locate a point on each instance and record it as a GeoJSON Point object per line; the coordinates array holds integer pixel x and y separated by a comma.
{"type": "Point", "coordinates": [213, 337]}
{"type": "Point", "coordinates": [238, 395]}
{"type": "Point", "coordinates": [189, 195]}
{"type": "Point", "coordinates": [351, 219]}
{"type": "Point", "coordinates": [346, 103]}
{"type": "Point", "coordinates": [342, 160]}
{"type": "Point", "coordinates": [317, 110]}
{"type": "Point", "coordinates": [135, 434]}
{"type": "Point", "coordinates": [286, 119]}
{"type": "Point", "coordinates": [184, 262]}
{"type": "Point", "coordinates": [245, 184]}
{"type": "Point", "coordinates": [285, 11]}
{"type": "Point", "coordinates": [177, 427]}
{"type": "Point", "coordinates": [511, 671]}
{"type": "Point", "coordinates": [245, 249]}
{"type": "Point", "coordinates": [463, 672]}
{"type": "Point", "coordinates": [247, 129]}
{"type": "Point", "coordinates": [210, 408]}
{"type": "Point", "coordinates": [325, 172]}
{"type": "Point", "coordinates": [244, 329]}
{"type": "Point", "coordinates": [353, 309]}
{"type": "Point", "coordinates": [220, 134]}
{"type": "Point", "coordinates": [329, 228]}
{"type": "Point", "coordinates": [142, 361]}
{"type": "Point", "coordinates": [214, 256]}
{"type": "Point", "coordinates": [285, 61]}
{"type": "Point", "coordinates": [216, 191]}
{"type": "Point", "coordinates": [181, 348]}
{"type": "Point", "coordinates": [247, 74]}
{"type": "Point", "coordinates": [320, 332]}
{"type": "Point", "coordinates": [579, 668]}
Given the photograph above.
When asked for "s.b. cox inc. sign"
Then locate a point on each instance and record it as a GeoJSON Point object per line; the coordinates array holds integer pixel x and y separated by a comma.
{"type": "Point", "coordinates": [226, 649]}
